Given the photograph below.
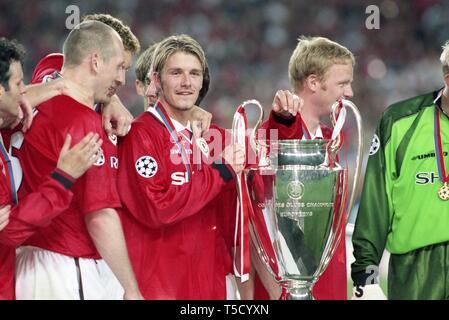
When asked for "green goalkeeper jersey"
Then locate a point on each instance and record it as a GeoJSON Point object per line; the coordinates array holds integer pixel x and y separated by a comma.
{"type": "Point", "coordinates": [400, 209]}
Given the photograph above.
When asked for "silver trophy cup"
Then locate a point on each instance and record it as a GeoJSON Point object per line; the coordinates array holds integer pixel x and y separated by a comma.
{"type": "Point", "coordinates": [299, 196]}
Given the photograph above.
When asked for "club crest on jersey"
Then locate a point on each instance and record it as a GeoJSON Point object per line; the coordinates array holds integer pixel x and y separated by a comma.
{"type": "Point", "coordinates": [100, 160]}
{"type": "Point", "coordinates": [146, 166]}
{"type": "Point", "coordinates": [113, 139]}
{"type": "Point", "coordinates": [375, 145]}
{"type": "Point", "coordinates": [204, 147]}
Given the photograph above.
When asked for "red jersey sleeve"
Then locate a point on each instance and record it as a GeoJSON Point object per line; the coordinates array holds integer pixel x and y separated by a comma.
{"type": "Point", "coordinates": [97, 188]}
{"type": "Point", "coordinates": [145, 181]}
{"type": "Point", "coordinates": [47, 66]}
{"type": "Point", "coordinates": [288, 127]}
{"type": "Point", "coordinates": [35, 210]}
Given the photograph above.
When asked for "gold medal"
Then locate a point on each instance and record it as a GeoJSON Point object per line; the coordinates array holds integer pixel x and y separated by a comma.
{"type": "Point", "coordinates": [443, 192]}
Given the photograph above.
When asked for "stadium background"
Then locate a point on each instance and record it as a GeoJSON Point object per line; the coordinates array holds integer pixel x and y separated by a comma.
{"type": "Point", "coordinates": [248, 44]}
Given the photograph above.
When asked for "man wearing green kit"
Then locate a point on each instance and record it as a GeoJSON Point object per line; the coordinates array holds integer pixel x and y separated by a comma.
{"type": "Point", "coordinates": [404, 206]}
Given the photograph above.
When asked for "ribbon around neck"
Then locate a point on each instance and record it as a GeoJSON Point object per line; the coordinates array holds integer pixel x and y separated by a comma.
{"type": "Point", "coordinates": [439, 147]}
{"type": "Point", "coordinates": [175, 136]}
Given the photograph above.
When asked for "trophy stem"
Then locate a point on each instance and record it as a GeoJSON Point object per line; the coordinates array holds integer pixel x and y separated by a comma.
{"type": "Point", "coordinates": [298, 290]}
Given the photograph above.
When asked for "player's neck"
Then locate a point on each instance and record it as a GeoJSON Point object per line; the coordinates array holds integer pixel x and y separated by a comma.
{"type": "Point", "coordinates": [182, 116]}
{"type": "Point", "coordinates": [85, 97]}
{"type": "Point", "coordinates": [309, 112]}
{"type": "Point", "coordinates": [310, 117]}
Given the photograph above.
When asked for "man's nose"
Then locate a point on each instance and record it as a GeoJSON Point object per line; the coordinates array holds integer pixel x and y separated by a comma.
{"type": "Point", "coordinates": [121, 79]}
{"type": "Point", "coordinates": [185, 80]}
{"type": "Point", "coordinates": [348, 93]}
{"type": "Point", "coordinates": [151, 90]}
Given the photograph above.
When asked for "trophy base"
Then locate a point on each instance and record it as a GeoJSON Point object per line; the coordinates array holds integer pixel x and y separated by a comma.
{"type": "Point", "coordinates": [298, 291]}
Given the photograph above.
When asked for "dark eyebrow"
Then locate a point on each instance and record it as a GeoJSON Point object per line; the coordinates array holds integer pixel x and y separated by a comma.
{"type": "Point", "coordinates": [180, 69]}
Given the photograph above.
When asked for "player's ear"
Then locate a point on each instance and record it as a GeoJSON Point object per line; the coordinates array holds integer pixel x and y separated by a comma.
{"type": "Point", "coordinates": [95, 62]}
{"type": "Point", "coordinates": [2, 91]}
{"type": "Point", "coordinates": [312, 82]}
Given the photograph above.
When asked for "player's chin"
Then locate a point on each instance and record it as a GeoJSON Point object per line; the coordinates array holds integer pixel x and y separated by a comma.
{"type": "Point", "coordinates": [184, 107]}
{"type": "Point", "coordinates": [151, 101]}
{"type": "Point", "coordinates": [105, 100]}
{"type": "Point", "coordinates": [185, 104]}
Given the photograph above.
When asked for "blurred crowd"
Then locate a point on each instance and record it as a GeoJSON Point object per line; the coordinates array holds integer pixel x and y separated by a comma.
{"type": "Point", "coordinates": [249, 42]}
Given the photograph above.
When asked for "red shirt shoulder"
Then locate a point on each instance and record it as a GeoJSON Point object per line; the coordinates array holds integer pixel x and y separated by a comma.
{"type": "Point", "coordinates": [57, 117]}
{"type": "Point", "coordinates": [47, 66]}
{"type": "Point", "coordinates": [95, 190]}
{"type": "Point", "coordinates": [145, 129]}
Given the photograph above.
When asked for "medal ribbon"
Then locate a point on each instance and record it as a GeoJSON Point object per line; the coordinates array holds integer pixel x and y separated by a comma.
{"type": "Point", "coordinates": [341, 117]}
{"type": "Point", "coordinates": [337, 131]}
{"type": "Point", "coordinates": [174, 134]}
{"type": "Point", "coordinates": [244, 209]}
{"type": "Point", "coordinates": [439, 147]}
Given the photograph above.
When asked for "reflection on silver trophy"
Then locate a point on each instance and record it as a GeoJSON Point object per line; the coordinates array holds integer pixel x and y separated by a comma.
{"type": "Point", "coordinates": [299, 197]}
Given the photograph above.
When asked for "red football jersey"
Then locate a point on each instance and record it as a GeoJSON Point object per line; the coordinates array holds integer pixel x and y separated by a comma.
{"type": "Point", "coordinates": [178, 232]}
{"type": "Point", "coordinates": [332, 285]}
{"type": "Point", "coordinates": [35, 211]}
{"type": "Point", "coordinates": [96, 189]}
{"type": "Point", "coordinates": [47, 66]}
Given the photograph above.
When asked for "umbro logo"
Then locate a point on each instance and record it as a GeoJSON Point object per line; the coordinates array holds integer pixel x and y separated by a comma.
{"type": "Point", "coordinates": [427, 155]}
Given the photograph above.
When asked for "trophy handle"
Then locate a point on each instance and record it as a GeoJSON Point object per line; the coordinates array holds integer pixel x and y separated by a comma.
{"type": "Point", "coordinates": [243, 212]}
{"type": "Point", "coordinates": [252, 137]}
{"type": "Point", "coordinates": [335, 146]}
{"type": "Point", "coordinates": [356, 182]}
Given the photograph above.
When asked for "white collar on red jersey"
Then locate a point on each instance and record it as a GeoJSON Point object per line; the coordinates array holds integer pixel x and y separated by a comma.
{"type": "Point", "coordinates": [178, 126]}
{"type": "Point", "coordinates": [318, 134]}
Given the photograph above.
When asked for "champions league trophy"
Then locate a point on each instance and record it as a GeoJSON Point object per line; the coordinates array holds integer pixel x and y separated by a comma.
{"type": "Point", "coordinates": [298, 199]}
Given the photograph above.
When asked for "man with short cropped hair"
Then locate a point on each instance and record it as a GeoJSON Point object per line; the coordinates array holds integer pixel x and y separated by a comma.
{"type": "Point", "coordinates": [82, 254]}
{"type": "Point", "coordinates": [19, 220]}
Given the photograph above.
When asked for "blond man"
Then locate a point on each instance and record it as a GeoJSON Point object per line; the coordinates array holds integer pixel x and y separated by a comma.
{"type": "Point", "coordinates": [320, 73]}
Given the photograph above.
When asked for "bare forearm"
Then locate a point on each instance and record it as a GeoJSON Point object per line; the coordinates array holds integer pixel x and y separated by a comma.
{"type": "Point", "coordinates": [38, 93]}
{"type": "Point", "coordinates": [106, 231]}
{"type": "Point", "coordinates": [246, 289]}
{"type": "Point", "coordinates": [116, 118]}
